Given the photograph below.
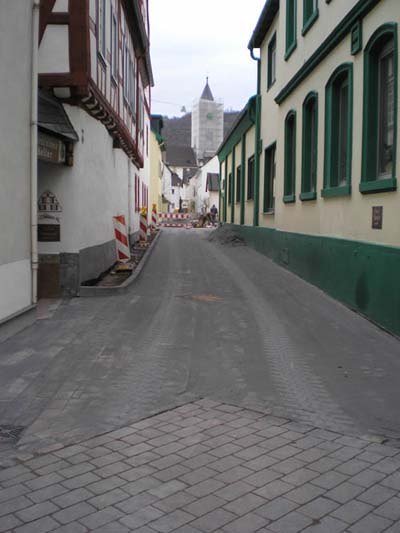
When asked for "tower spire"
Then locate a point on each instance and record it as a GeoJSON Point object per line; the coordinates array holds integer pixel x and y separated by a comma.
{"type": "Point", "coordinates": [207, 94]}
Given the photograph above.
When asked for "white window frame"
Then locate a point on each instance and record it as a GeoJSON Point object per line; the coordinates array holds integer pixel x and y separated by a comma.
{"type": "Point", "coordinates": [114, 44]}
{"type": "Point", "coordinates": [101, 30]}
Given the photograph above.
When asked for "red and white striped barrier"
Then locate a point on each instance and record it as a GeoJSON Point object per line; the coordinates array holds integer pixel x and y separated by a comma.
{"type": "Point", "coordinates": [175, 216]}
{"type": "Point", "coordinates": [121, 239]}
{"type": "Point", "coordinates": [143, 226]}
{"type": "Point", "coordinates": [154, 218]}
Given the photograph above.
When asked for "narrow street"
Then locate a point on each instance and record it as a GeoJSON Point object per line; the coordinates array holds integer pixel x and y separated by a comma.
{"type": "Point", "coordinates": [204, 320]}
{"type": "Point", "coordinates": [219, 394]}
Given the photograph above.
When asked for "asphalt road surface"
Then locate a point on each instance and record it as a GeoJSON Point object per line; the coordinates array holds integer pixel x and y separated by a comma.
{"type": "Point", "coordinates": [203, 320]}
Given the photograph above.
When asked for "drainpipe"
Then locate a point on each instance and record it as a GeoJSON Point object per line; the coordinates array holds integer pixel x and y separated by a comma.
{"type": "Point", "coordinates": [34, 142]}
{"type": "Point", "coordinates": [257, 142]}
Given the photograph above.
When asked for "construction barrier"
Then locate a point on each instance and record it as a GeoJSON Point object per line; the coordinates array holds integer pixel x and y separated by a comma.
{"type": "Point", "coordinates": [176, 220]}
{"type": "Point", "coordinates": [154, 218]}
{"type": "Point", "coordinates": [121, 239]}
{"type": "Point", "coordinates": [175, 216]}
{"type": "Point", "coordinates": [143, 225]}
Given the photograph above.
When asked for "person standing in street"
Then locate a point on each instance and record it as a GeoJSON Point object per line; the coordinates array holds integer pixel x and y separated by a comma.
{"type": "Point", "coordinates": [214, 213]}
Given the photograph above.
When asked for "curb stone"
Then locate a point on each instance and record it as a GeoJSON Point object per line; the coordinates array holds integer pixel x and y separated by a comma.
{"type": "Point", "coordinates": [90, 292]}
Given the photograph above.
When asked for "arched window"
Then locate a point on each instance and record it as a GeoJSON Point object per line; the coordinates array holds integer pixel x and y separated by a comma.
{"type": "Point", "coordinates": [310, 148]}
{"type": "Point", "coordinates": [290, 158]}
{"type": "Point", "coordinates": [380, 111]}
{"type": "Point", "coordinates": [338, 132]}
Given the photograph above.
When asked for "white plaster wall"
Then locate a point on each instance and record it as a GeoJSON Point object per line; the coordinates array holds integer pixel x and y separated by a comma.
{"type": "Point", "coordinates": [203, 197]}
{"type": "Point", "coordinates": [345, 217]}
{"type": "Point", "coordinates": [54, 50]}
{"type": "Point", "coordinates": [172, 194]}
{"type": "Point", "coordinates": [91, 192]}
{"type": "Point", "coordinates": [15, 82]}
{"type": "Point", "coordinates": [15, 287]}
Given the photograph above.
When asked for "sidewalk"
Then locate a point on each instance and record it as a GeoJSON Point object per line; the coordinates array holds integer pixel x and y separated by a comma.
{"type": "Point", "coordinates": [206, 467]}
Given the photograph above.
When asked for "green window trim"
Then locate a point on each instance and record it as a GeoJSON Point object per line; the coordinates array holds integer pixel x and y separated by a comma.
{"type": "Point", "coordinates": [250, 177]}
{"type": "Point", "coordinates": [333, 192]}
{"type": "Point", "coordinates": [269, 177]}
{"type": "Point", "coordinates": [340, 32]}
{"type": "Point", "coordinates": [289, 198]}
{"type": "Point", "coordinates": [233, 169]}
{"type": "Point", "coordinates": [290, 158]}
{"type": "Point", "coordinates": [382, 185]}
{"type": "Point", "coordinates": [356, 38]}
{"type": "Point", "coordinates": [271, 68]}
{"type": "Point", "coordinates": [370, 182]}
{"type": "Point", "coordinates": [290, 50]}
{"type": "Point", "coordinates": [238, 183]}
{"type": "Point", "coordinates": [309, 164]}
{"type": "Point", "coordinates": [307, 196]}
{"type": "Point", "coordinates": [333, 185]}
{"type": "Point", "coordinates": [230, 188]}
{"type": "Point", "coordinates": [309, 17]}
{"type": "Point", "coordinates": [291, 27]}
{"type": "Point", "coordinates": [243, 180]}
{"type": "Point", "coordinates": [226, 192]}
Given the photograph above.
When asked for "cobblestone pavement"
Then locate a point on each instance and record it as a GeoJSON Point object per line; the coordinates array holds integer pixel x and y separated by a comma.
{"type": "Point", "coordinates": [203, 320]}
{"type": "Point", "coordinates": [205, 467]}
{"type": "Point", "coordinates": [300, 391]}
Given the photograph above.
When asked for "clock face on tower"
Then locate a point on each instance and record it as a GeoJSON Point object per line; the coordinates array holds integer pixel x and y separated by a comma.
{"type": "Point", "coordinates": [210, 116]}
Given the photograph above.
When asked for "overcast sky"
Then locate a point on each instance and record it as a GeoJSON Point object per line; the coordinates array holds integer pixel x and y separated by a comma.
{"type": "Point", "coordinates": [192, 39]}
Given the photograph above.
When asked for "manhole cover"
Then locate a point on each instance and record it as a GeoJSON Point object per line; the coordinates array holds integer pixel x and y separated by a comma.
{"type": "Point", "coordinates": [10, 433]}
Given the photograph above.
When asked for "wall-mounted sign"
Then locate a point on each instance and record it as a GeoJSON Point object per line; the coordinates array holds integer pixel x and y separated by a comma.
{"type": "Point", "coordinates": [377, 217]}
{"type": "Point", "coordinates": [51, 149]}
{"type": "Point", "coordinates": [49, 203]}
{"type": "Point", "coordinates": [49, 232]}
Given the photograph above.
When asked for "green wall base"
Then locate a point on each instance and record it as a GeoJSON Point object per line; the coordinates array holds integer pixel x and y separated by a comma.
{"type": "Point", "coordinates": [364, 276]}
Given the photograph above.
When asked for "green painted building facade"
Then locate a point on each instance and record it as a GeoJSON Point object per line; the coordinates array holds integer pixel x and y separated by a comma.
{"type": "Point", "coordinates": [309, 171]}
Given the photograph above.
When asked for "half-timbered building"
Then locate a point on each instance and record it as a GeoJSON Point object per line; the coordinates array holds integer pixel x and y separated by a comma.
{"type": "Point", "coordinates": [94, 58]}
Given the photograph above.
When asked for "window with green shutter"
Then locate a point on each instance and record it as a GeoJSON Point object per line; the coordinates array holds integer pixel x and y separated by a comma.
{"type": "Point", "coordinates": [380, 111]}
{"type": "Point", "coordinates": [290, 158]}
{"type": "Point", "coordinates": [338, 132]}
{"type": "Point", "coordinates": [238, 183]}
{"type": "Point", "coordinates": [250, 178]}
{"type": "Point", "coordinates": [272, 61]}
{"type": "Point", "coordinates": [269, 178]}
{"type": "Point", "coordinates": [310, 147]}
{"type": "Point", "coordinates": [310, 14]}
{"type": "Point", "coordinates": [291, 27]}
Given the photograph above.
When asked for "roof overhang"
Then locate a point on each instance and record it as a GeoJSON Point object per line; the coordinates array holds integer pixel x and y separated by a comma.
{"type": "Point", "coordinates": [264, 23]}
{"type": "Point", "coordinates": [53, 119]}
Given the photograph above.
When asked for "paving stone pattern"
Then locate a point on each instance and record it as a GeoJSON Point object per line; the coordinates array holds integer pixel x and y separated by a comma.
{"type": "Point", "coordinates": [205, 467]}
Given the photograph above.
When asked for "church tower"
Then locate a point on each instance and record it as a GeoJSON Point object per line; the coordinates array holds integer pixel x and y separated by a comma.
{"type": "Point", "coordinates": [207, 125]}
